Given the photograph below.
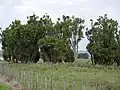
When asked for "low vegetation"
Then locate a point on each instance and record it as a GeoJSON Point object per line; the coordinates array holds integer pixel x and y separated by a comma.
{"type": "Point", "coordinates": [4, 87]}
{"type": "Point", "coordinates": [57, 45]}
{"type": "Point", "coordinates": [80, 72]}
{"type": "Point", "coordinates": [104, 45]}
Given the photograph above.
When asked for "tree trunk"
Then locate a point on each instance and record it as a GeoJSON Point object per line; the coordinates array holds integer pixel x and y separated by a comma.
{"type": "Point", "coordinates": [92, 59]}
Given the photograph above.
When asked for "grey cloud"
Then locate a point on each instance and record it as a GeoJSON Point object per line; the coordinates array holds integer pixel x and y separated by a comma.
{"type": "Point", "coordinates": [87, 9]}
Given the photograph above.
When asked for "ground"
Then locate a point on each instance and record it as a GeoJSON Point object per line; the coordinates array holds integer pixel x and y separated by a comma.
{"type": "Point", "coordinates": [80, 72]}
{"type": "Point", "coordinates": [4, 87]}
{"type": "Point", "coordinates": [8, 85]}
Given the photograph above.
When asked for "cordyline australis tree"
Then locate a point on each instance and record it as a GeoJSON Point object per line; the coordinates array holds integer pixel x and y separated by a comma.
{"type": "Point", "coordinates": [104, 41]}
{"type": "Point", "coordinates": [57, 41]}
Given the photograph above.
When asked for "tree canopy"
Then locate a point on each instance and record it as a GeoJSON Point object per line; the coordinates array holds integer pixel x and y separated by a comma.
{"type": "Point", "coordinates": [104, 37]}
{"type": "Point", "coordinates": [57, 42]}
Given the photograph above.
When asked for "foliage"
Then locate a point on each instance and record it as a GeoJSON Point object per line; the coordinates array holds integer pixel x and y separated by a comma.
{"type": "Point", "coordinates": [104, 45]}
{"type": "Point", "coordinates": [52, 49]}
{"type": "Point", "coordinates": [80, 72]}
{"type": "Point", "coordinates": [70, 29]}
{"type": "Point", "coordinates": [19, 42]}
{"type": "Point", "coordinates": [4, 87]}
{"type": "Point", "coordinates": [57, 41]}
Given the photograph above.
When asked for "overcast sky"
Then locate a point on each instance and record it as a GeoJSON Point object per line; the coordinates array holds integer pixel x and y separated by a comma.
{"type": "Point", "coordinates": [86, 9]}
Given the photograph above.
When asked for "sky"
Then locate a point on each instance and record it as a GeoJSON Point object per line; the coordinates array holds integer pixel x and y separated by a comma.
{"type": "Point", "coordinates": [86, 9]}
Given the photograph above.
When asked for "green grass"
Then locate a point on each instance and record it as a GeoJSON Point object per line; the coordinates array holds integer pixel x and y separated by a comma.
{"type": "Point", "coordinates": [81, 71]}
{"type": "Point", "coordinates": [4, 87]}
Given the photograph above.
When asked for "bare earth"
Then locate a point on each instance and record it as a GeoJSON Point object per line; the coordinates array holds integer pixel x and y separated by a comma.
{"type": "Point", "coordinates": [14, 85]}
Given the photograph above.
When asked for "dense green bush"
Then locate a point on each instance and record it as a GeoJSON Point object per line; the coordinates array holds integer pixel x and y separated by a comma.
{"type": "Point", "coordinates": [104, 45]}
{"type": "Point", "coordinates": [21, 42]}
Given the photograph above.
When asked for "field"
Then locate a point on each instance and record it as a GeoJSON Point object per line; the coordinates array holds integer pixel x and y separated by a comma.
{"type": "Point", "coordinates": [4, 87]}
{"type": "Point", "coordinates": [80, 76]}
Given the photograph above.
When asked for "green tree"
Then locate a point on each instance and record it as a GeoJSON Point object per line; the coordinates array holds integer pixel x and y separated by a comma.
{"type": "Point", "coordinates": [19, 42]}
{"type": "Point", "coordinates": [71, 30]}
{"type": "Point", "coordinates": [104, 43]}
{"type": "Point", "coordinates": [58, 41]}
{"type": "Point", "coordinates": [54, 46]}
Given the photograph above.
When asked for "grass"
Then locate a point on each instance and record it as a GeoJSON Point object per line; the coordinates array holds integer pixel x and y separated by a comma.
{"type": "Point", "coordinates": [81, 71]}
{"type": "Point", "coordinates": [4, 87]}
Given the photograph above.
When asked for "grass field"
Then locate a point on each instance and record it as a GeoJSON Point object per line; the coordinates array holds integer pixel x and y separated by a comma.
{"type": "Point", "coordinates": [4, 87]}
{"type": "Point", "coordinates": [80, 72]}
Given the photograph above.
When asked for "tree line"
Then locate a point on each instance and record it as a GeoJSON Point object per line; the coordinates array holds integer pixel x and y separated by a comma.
{"type": "Point", "coordinates": [56, 42]}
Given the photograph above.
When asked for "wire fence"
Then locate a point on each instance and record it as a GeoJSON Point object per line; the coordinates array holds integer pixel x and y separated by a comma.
{"type": "Point", "coordinates": [37, 81]}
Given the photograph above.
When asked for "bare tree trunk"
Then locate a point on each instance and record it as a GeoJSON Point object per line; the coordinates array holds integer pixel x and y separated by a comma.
{"type": "Point", "coordinates": [92, 60]}
{"type": "Point", "coordinates": [77, 51]}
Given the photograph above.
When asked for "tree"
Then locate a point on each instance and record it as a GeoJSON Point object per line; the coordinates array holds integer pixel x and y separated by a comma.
{"type": "Point", "coordinates": [19, 42]}
{"type": "Point", "coordinates": [59, 41]}
{"type": "Point", "coordinates": [54, 46]}
{"type": "Point", "coordinates": [104, 39]}
{"type": "Point", "coordinates": [9, 44]}
{"type": "Point", "coordinates": [70, 29]}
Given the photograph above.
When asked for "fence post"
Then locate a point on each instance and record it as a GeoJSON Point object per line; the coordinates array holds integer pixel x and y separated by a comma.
{"type": "Point", "coordinates": [57, 88]}
{"type": "Point", "coordinates": [73, 85]}
{"type": "Point", "coordinates": [83, 85]}
{"type": "Point", "coordinates": [65, 84]}
{"type": "Point", "coordinates": [46, 83]}
{"type": "Point", "coordinates": [51, 83]}
{"type": "Point", "coordinates": [21, 76]}
{"type": "Point", "coordinates": [2, 68]}
{"type": "Point", "coordinates": [36, 81]}
{"type": "Point", "coordinates": [33, 86]}
{"type": "Point", "coordinates": [24, 80]}
{"type": "Point", "coordinates": [16, 77]}
{"type": "Point", "coordinates": [32, 81]}
{"type": "Point", "coordinates": [28, 82]}
{"type": "Point", "coordinates": [41, 83]}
